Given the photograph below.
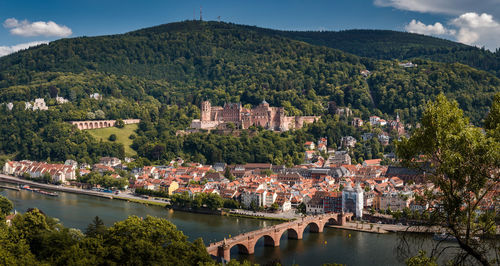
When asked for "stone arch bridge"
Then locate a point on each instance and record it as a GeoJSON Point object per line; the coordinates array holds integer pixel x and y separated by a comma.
{"type": "Point", "coordinates": [93, 124]}
{"type": "Point", "coordinates": [272, 234]}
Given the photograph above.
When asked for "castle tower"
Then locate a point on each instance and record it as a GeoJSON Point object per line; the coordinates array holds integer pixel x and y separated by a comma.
{"type": "Point", "coordinates": [206, 108]}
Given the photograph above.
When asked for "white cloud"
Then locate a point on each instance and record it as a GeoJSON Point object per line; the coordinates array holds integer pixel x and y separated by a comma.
{"type": "Point", "coordinates": [436, 29]}
{"type": "Point", "coordinates": [39, 28]}
{"type": "Point", "coordinates": [450, 7]}
{"type": "Point", "coordinates": [5, 50]}
{"type": "Point", "coordinates": [470, 28]}
{"type": "Point", "coordinates": [479, 30]}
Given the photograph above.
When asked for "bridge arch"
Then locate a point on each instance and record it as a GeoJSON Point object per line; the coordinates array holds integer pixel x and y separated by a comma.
{"type": "Point", "coordinates": [292, 233]}
{"type": "Point", "coordinates": [268, 241]}
{"type": "Point", "coordinates": [332, 221]}
{"type": "Point", "coordinates": [314, 227]}
{"type": "Point", "coordinates": [242, 248]}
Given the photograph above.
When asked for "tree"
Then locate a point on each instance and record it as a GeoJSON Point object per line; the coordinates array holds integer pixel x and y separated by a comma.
{"type": "Point", "coordinates": [5, 205]}
{"type": "Point", "coordinates": [421, 260]}
{"type": "Point", "coordinates": [228, 175]}
{"type": "Point", "coordinates": [96, 227]}
{"type": "Point", "coordinates": [119, 123]}
{"type": "Point", "coordinates": [112, 137]}
{"type": "Point", "coordinates": [301, 208]}
{"type": "Point", "coordinates": [154, 239]}
{"type": "Point", "coordinates": [464, 164]}
{"type": "Point", "coordinates": [492, 121]}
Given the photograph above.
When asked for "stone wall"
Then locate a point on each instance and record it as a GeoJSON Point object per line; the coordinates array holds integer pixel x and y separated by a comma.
{"type": "Point", "coordinates": [93, 124]}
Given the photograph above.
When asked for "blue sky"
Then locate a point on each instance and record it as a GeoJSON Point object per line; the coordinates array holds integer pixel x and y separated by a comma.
{"type": "Point", "coordinates": [33, 21]}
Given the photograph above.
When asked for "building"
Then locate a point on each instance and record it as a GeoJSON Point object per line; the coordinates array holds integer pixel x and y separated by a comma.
{"type": "Point", "coordinates": [357, 122]}
{"type": "Point", "coordinates": [340, 158]}
{"type": "Point", "coordinates": [332, 202]}
{"type": "Point", "coordinates": [343, 111]}
{"type": "Point", "coordinates": [96, 96]}
{"type": "Point", "coordinates": [395, 200]}
{"type": "Point", "coordinates": [374, 120]}
{"type": "Point", "coordinates": [348, 142]}
{"type": "Point", "coordinates": [39, 104]}
{"type": "Point", "coordinates": [309, 145]}
{"type": "Point", "coordinates": [169, 186]}
{"type": "Point", "coordinates": [59, 173]}
{"type": "Point", "coordinates": [272, 118]}
{"type": "Point", "coordinates": [407, 65]}
{"type": "Point", "coordinates": [110, 161]}
{"type": "Point", "coordinates": [352, 200]}
{"type": "Point", "coordinates": [61, 100]}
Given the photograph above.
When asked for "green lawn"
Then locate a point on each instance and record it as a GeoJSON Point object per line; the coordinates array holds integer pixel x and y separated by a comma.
{"type": "Point", "coordinates": [122, 135]}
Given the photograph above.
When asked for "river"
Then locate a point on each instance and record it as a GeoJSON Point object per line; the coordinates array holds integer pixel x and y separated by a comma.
{"type": "Point", "coordinates": [331, 246]}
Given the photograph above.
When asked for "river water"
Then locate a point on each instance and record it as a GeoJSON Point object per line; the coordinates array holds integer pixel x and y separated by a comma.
{"type": "Point", "coordinates": [331, 246]}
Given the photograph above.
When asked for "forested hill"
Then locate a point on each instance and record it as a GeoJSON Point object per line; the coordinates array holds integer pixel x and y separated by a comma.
{"type": "Point", "coordinates": [186, 62]}
{"type": "Point", "coordinates": [386, 44]}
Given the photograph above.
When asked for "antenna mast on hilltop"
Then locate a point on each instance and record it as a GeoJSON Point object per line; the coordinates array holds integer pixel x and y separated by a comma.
{"type": "Point", "coordinates": [194, 13]}
{"type": "Point", "coordinates": [219, 18]}
{"type": "Point", "coordinates": [201, 17]}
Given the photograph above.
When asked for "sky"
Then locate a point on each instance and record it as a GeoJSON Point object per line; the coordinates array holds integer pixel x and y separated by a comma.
{"type": "Point", "coordinates": [25, 23]}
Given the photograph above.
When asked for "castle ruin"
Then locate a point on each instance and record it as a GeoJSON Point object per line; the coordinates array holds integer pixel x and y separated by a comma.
{"type": "Point", "coordinates": [272, 118]}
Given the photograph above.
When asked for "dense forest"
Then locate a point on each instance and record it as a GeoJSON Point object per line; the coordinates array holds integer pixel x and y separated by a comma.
{"type": "Point", "coordinates": [386, 44]}
{"type": "Point", "coordinates": [161, 74]}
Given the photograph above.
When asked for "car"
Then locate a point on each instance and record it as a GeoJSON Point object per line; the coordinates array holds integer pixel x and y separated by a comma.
{"type": "Point", "coordinates": [379, 222]}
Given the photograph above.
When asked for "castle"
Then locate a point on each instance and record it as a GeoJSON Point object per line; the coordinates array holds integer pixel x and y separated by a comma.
{"type": "Point", "coordinates": [272, 118]}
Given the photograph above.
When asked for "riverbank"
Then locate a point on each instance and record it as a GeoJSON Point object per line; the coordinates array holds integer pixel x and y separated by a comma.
{"type": "Point", "coordinates": [387, 228]}
{"type": "Point", "coordinates": [131, 198]}
{"type": "Point", "coordinates": [258, 217]}
{"type": "Point", "coordinates": [141, 201]}
{"type": "Point", "coordinates": [19, 181]}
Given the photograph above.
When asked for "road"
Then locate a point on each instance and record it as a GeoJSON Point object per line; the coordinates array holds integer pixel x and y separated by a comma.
{"type": "Point", "coordinates": [124, 195]}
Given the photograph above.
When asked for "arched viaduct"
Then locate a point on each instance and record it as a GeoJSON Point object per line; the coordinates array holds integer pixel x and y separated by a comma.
{"type": "Point", "coordinates": [272, 234]}
{"type": "Point", "coordinates": [93, 124]}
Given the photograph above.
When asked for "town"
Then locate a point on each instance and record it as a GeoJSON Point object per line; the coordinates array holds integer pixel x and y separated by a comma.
{"type": "Point", "coordinates": [333, 185]}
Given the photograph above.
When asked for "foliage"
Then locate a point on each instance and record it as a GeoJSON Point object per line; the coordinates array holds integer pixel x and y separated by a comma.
{"type": "Point", "coordinates": [94, 179]}
{"type": "Point", "coordinates": [5, 206]}
{"type": "Point", "coordinates": [464, 164]}
{"type": "Point", "coordinates": [149, 192]}
{"type": "Point", "coordinates": [421, 260]}
{"type": "Point", "coordinates": [112, 137]}
{"type": "Point", "coordinates": [37, 239]}
{"type": "Point", "coordinates": [211, 201]}
{"type": "Point", "coordinates": [119, 123]}
{"type": "Point", "coordinates": [161, 74]}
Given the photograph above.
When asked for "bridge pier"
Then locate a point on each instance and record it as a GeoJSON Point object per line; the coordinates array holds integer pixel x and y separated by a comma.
{"type": "Point", "coordinates": [224, 252]}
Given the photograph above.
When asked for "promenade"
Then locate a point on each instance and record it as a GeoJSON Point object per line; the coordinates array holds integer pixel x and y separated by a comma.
{"type": "Point", "coordinates": [121, 196]}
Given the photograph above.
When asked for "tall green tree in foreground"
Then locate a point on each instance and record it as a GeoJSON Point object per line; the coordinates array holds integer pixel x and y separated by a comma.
{"type": "Point", "coordinates": [463, 162]}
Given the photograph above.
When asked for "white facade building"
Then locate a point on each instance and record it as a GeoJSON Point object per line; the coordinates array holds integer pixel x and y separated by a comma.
{"type": "Point", "coordinates": [352, 200]}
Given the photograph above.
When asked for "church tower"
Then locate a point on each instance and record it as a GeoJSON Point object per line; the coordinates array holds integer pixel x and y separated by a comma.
{"type": "Point", "coordinates": [206, 111]}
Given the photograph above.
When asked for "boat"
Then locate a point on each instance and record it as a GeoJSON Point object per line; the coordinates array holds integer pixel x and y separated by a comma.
{"type": "Point", "coordinates": [444, 237]}
{"type": "Point", "coordinates": [36, 190]}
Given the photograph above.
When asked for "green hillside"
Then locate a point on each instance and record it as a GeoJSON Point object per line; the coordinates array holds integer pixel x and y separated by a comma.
{"type": "Point", "coordinates": [161, 74]}
{"type": "Point", "coordinates": [122, 136]}
{"type": "Point", "coordinates": [186, 62]}
{"type": "Point", "coordinates": [386, 44]}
